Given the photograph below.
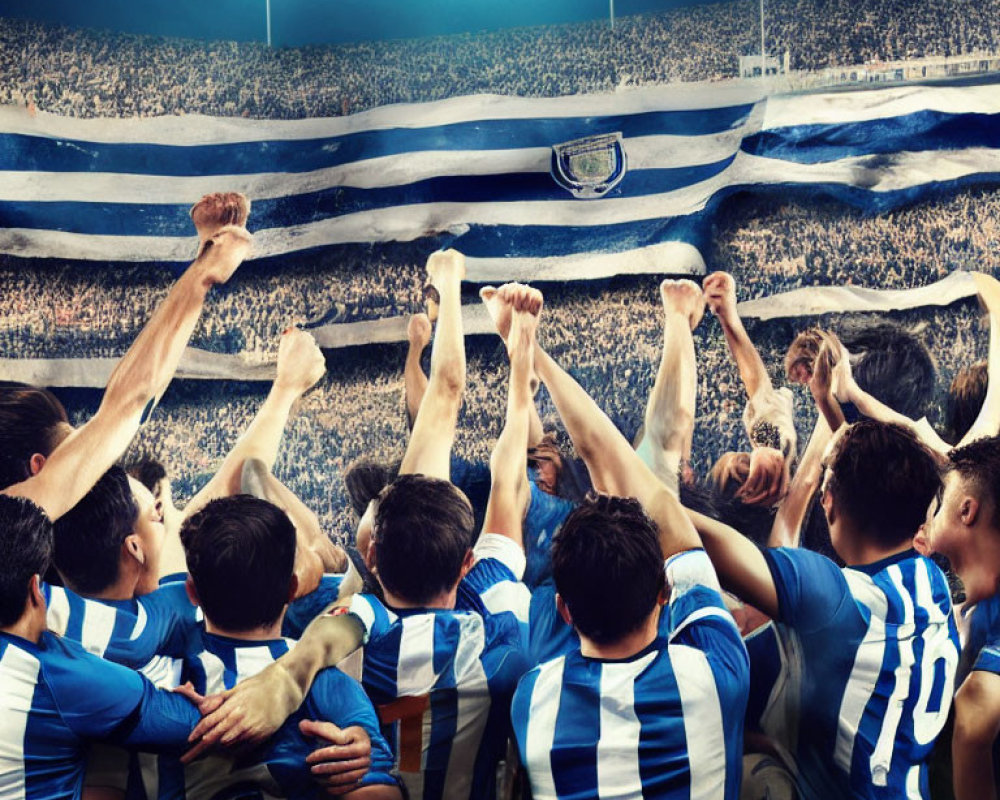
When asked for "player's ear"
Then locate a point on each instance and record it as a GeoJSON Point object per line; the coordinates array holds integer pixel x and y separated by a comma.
{"type": "Point", "coordinates": [35, 463]}
{"type": "Point", "coordinates": [133, 547]}
{"type": "Point", "coordinates": [470, 560]}
{"type": "Point", "coordinates": [293, 587]}
{"type": "Point", "coordinates": [191, 591]}
{"type": "Point", "coordinates": [35, 591]}
{"type": "Point", "coordinates": [563, 610]}
{"type": "Point", "coordinates": [969, 510]}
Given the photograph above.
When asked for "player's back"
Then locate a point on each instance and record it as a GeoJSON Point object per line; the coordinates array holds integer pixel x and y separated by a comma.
{"type": "Point", "coordinates": [442, 682]}
{"type": "Point", "coordinates": [868, 658]}
{"type": "Point", "coordinates": [55, 698]}
{"type": "Point", "coordinates": [277, 768]}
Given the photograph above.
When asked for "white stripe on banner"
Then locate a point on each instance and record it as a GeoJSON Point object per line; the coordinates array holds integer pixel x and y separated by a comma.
{"type": "Point", "coordinates": [195, 129]}
{"type": "Point", "coordinates": [203, 365]}
{"type": "Point", "coordinates": [644, 152]}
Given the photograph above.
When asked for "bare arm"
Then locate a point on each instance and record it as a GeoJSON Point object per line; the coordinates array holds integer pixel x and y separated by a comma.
{"type": "Point", "coordinates": [977, 723]}
{"type": "Point", "coordinates": [300, 366]}
{"type": "Point", "coordinates": [988, 420]}
{"type": "Point", "coordinates": [720, 294]}
{"type": "Point", "coordinates": [136, 384]}
{"type": "Point", "coordinates": [786, 530]}
{"type": "Point", "coordinates": [740, 565]}
{"type": "Point", "coordinates": [258, 706]}
{"type": "Point", "coordinates": [429, 449]}
{"type": "Point", "coordinates": [509, 461]}
{"type": "Point", "coordinates": [613, 464]}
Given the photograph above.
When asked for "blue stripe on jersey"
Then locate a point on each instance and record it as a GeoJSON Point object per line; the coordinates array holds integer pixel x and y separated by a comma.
{"type": "Point", "coordinates": [868, 686]}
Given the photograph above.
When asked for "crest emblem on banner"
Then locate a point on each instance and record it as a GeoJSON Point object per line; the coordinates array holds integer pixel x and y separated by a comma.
{"type": "Point", "coordinates": [589, 168]}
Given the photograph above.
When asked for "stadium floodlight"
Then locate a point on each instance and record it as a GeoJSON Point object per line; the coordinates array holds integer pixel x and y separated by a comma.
{"type": "Point", "coordinates": [763, 51]}
{"type": "Point", "coordinates": [611, 12]}
{"type": "Point", "coordinates": [267, 12]}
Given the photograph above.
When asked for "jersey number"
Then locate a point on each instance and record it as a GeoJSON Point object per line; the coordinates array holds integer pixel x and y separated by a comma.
{"type": "Point", "coordinates": [409, 713]}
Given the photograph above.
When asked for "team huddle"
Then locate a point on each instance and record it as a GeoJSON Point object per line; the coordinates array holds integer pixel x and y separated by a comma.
{"type": "Point", "coordinates": [611, 629]}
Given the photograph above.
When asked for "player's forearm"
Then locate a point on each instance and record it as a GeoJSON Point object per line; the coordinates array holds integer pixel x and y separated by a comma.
{"type": "Point", "coordinates": [751, 367]}
{"type": "Point", "coordinates": [972, 768]}
{"type": "Point", "coordinates": [326, 642]}
{"type": "Point", "coordinates": [739, 564]}
{"type": "Point", "coordinates": [786, 531]}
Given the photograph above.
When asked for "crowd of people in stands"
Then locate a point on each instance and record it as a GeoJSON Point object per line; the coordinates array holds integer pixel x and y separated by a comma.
{"type": "Point", "coordinates": [96, 73]}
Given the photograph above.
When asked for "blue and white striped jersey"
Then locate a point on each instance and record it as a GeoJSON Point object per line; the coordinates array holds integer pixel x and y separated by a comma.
{"type": "Point", "coordinates": [867, 667]}
{"type": "Point", "coordinates": [441, 681]}
{"type": "Point", "coordinates": [55, 698]}
{"type": "Point", "coordinates": [278, 768]}
{"type": "Point", "coordinates": [666, 722]}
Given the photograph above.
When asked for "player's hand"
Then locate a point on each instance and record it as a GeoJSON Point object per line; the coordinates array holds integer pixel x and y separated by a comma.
{"type": "Point", "coordinates": [223, 253]}
{"type": "Point", "coordinates": [300, 361]}
{"type": "Point", "coordinates": [245, 715]}
{"type": "Point", "coordinates": [821, 380]}
{"type": "Point", "coordinates": [339, 766]}
{"type": "Point", "coordinates": [720, 295]}
{"type": "Point", "coordinates": [521, 306]}
{"type": "Point", "coordinates": [444, 265]}
{"type": "Point", "coordinates": [767, 481]}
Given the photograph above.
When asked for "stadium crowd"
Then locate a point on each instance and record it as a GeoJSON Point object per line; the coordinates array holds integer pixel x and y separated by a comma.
{"type": "Point", "coordinates": [96, 73]}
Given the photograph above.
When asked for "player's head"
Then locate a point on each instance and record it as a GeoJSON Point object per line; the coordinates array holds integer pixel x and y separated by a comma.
{"type": "Point", "coordinates": [608, 568]}
{"type": "Point", "coordinates": [115, 526]}
{"type": "Point", "coordinates": [879, 481]}
{"type": "Point", "coordinates": [241, 560]}
{"type": "Point", "coordinates": [25, 551]}
{"type": "Point", "coordinates": [965, 400]}
{"type": "Point", "coordinates": [32, 424]}
{"type": "Point", "coordinates": [964, 520]}
{"type": "Point", "coordinates": [365, 478]}
{"type": "Point", "coordinates": [421, 538]}
{"type": "Point", "coordinates": [547, 460]}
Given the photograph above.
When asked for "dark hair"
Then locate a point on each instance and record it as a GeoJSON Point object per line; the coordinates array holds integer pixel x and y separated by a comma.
{"type": "Point", "coordinates": [883, 479]}
{"type": "Point", "coordinates": [89, 537]}
{"type": "Point", "coordinates": [25, 550]}
{"type": "Point", "coordinates": [894, 366]}
{"type": "Point", "coordinates": [364, 480]}
{"type": "Point", "coordinates": [422, 533]}
{"type": "Point", "coordinates": [148, 471]}
{"type": "Point", "coordinates": [241, 556]}
{"type": "Point", "coordinates": [979, 463]}
{"type": "Point", "coordinates": [965, 400]}
{"type": "Point", "coordinates": [608, 567]}
{"type": "Point", "coordinates": [29, 423]}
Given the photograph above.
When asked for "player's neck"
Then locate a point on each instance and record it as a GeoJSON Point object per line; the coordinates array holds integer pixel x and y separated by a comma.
{"type": "Point", "coordinates": [265, 633]}
{"type": "Point", "coordinates": [858, 550]}
{"type": "Point", "coordinates": [626, 647]}
{"type": "Point", "coordinates": [445, 600]}
{"type": "Point", "coordinates": [978, 569]}
{"type": "Point", "coordinates": [30, 626]}
{"type": "Point", "coordinates": [122, 589]}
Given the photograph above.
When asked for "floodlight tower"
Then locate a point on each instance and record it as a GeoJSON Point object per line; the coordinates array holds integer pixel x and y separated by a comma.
{"type": "Point", "coordinates": [611, 11]}
{"type": "Point", "coordinates": [763, 51]}
{"type": "Point", "coordinates": [267, 9]}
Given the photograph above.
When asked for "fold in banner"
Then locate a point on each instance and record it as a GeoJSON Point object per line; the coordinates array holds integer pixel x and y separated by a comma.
{"type": "Point", "coordinates": [575, 187]}
{"type": "Point", "coordinates": [202, 365]}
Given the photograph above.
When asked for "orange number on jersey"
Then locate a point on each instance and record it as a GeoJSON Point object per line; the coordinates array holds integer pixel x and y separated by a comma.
{"type": "Point", "coordinates": [409, 713]}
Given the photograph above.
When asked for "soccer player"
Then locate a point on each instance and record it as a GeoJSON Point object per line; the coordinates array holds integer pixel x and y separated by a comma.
{"type": "Point", "coordinates": [966, 528]}
{"type": "Point", "coordinates": [444, 651]}
{"type": "Point", "coordinates": [871, 649]}
{"type": "Point", "coordinates": [241, 556]}
{"type": "Point", "coordinates": [651, 703]}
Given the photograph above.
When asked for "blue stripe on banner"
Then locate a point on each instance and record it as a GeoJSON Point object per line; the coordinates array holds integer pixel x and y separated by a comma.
{"type": "Point", "coordinates": [129, 219]}
{"type": "Point", "coordinates": [19, 152]}
{"type": "Point", "coordinates": [924, 130]}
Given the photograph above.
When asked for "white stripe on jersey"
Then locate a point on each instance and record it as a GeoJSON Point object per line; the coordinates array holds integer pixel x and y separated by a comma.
{"type": "Point", "coordinates": [98, 626]}
{"type": "Point", "coordinates": [164, 672]}
{"type": "Point", "coordinates": [57, 614]}
{"type": "Point", "coordinates": [508, 596]}
{"type": "Point", "coordinates": [618, 748]}
{"type": "Point", "coordinates": [913, 783]}
{"type": "Point", "coordinates": [881, 759]}
{"type": "Point", "coordinates": [251, 660]}
{"type": "Point", "coordinates": [867, 665]}
{"type": "Point", "coordinates": [214, 672]}
{"type": "Point", "coordinates": [142, 618]}
{"type": "Point", "coordinates": [542, 714]}
{"type": "Point", "coordinates": [18, 679]}
{"type": "Point", "coordinates": [473, 698]}
{"type": "Point", "coordinates": [415, 677]}
{"type": "Point", "coordinates": [700, 614]}
{"type": "Point", "coordinates": [706, 741]}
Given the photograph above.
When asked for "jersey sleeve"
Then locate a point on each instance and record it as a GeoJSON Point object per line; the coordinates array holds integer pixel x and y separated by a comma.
{"type": "Point", "coordinates": [167, 622]}
{"type": "Point", "coordinates": [373, 615]}
{"type": "Point", "coordinates": [98, 699]}
{"type": "Point", "coordinates": [496, 577]}
{"type": "Point", "coordinates": [811, 588]}
{"type": "Point", "coordinates": [305, 609]}
{"type": "Point", "coordinates": [697, 615]}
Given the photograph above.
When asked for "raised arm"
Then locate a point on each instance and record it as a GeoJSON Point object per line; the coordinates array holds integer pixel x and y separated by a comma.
{"type": "Point", "coordinates": [786, 530]}
{"type": "Point", "coordinates": [300, 366]}
{"type": "Point", "coordinates": [988, 421]}
{"type": "Point", "coordinates": [137, 382]}
{"type": "Point", "coordinates": [509, 493]}
{"type": "Point", "coordinates": [614, 466]}
{"type": "Point", "coordinates": [720, 294]}
{"type": "Point", "coordinates": [429, 449]}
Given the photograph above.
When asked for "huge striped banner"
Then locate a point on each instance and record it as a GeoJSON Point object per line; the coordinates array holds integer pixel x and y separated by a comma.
{"type": "Point", "coordinates": [474, 173]}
